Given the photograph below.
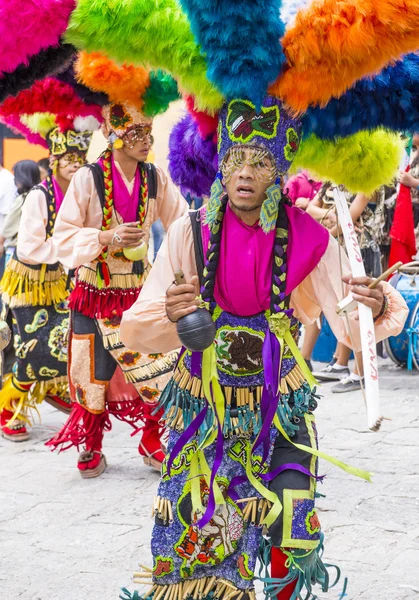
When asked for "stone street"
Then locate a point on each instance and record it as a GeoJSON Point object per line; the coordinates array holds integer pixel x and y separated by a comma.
{"type": "Point", "coordinates": [64, 538]}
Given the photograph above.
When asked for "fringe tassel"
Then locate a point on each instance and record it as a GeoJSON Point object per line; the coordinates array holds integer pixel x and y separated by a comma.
{"type": "Point", "coordinates": [151, 370]}
{"type": "Point", "coordinates": [196, 589]}
{"type": "Point", "coordinates": [22, 398]}
{"type": "Point", "coordinates": [128, 412]}
{"type": "Point", "coordinates": [163, 510]}
{"type": "Point", "coordinates": [56, 387]}
{"type": "Point", "coordinates": [23, 285]}
{"type": "Point", "coordinates": [292, 381]}
{"type": "Point", "coordinates": [242, 406]}
{"type": "Point", "coordinates": [14, 398]}
{"type": "Point", "coordinates": [255, 510]}
{"type": "Point", "coordinates": [81, 428]}
{"type": "Point", "coordinates": [112, 341]}
{"type": "Point", "coordinates": [93, 302]}
{"type": "Point", "coordinates": [117, 281]}
{"type": "Point", "coordinates": [306, 569]}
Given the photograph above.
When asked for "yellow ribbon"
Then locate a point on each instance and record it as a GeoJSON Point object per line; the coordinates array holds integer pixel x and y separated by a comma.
{"type": "Point", "coordinates": [210, 376]}
{"type": "Point", "coordinates": [289, 340]}
{"type": "Point", "coordinates": [195, 485]}
{"type": "Point", "coordinates": [335, 461]}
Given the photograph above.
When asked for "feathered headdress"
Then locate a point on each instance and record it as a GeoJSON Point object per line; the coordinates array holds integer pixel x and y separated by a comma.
{"type": "Point", "coordinates": [52, 106]}
{"type": "Point", "coordinates": [28, 28]}
{"type": "Point", "coordinates": [150, 92]}
{"type": "Point", "coordinates": [216, 52]}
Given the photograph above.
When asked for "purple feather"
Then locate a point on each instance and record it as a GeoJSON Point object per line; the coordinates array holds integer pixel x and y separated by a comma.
{"type": "Point", "coordinates": [192, 159]}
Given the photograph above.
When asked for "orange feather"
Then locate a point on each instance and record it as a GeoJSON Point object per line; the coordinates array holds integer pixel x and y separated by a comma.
{"type": "Point", "coordinates": [334, 43]}
{"type": "Point", "coordinates": [122, 83]}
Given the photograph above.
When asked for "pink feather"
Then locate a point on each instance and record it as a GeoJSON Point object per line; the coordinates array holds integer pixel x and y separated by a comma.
{"type": "Point", "coordinates": [14, 122]}
{"type": "Point", "coordinates": [28, 26]}
{"type": "Point", "coordinates": [53, 96]}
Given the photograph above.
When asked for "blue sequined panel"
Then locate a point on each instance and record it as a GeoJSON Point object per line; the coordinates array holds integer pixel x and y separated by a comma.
{"type": "Point", "coordinates": [226, 547]}
{"type": "Point", "coordinates": [238, 345]}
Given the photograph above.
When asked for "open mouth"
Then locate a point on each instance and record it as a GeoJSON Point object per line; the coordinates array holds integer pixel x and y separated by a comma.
{"type": "Point", "coordinates": [245, 190]}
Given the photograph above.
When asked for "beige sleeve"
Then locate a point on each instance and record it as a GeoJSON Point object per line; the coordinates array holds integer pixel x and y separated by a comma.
{"type": "Point", "coordinates": [145, 326]}
{"type": "Point", "coordinates": [78, 224]}
{"type": "Point", "coordinates": [170, 204]}
{"type": "Point", "coordinates": [323, 289]}
{"type": "Point", "coordinates": [32, 246]}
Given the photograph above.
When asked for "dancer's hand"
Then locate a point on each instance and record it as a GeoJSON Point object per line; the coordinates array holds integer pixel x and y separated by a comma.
{"type": "Point", "coordinates": [181, 300]}
{"type": "Point", "coordinates": [373, 298]}
{"type": "Point", "coordinates": [125, 236]}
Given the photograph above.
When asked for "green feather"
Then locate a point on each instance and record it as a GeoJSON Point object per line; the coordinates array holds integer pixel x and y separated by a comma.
{"type": "Point", "coordinates": [160, 93]}
{"type": "Point", "coordinates": [362, 162]}
{"type": "Point", "coordinates": [153, 33]}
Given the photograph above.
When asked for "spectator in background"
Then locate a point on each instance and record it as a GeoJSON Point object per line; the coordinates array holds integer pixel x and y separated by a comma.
{"type": "Point", "coordinates": [411, 180]}
{"type": "Point", "coordinates": [43, 165]}
{"type": "Point", "coordinates": [301, 188]}
{"type": "Point", "coordinates": [7, 195]}
{"type": "Point", "coordinates": [368, 217]}
{"type": "Point", "coordinates": [26, 176]}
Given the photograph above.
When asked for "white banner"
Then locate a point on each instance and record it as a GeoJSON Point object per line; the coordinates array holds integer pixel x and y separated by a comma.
{"type": "Point", "coordinates": [366, 321]}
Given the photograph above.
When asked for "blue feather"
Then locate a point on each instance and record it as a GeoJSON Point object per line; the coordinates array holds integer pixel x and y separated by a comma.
{"type": "Point", "coordinates": [390, 99]}
{"type": "Point", "coordinates": [240, 40]}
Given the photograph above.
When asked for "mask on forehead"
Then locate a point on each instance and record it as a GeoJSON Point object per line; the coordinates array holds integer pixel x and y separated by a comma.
{"type": "Point", "coordinates": [272, 129]}
{"type": "Point", "coordinates": [121, 118]}
{"type": "Point", "coordinates": [75, 142]}
{"type": "Point", "coordinates": [273, 136]}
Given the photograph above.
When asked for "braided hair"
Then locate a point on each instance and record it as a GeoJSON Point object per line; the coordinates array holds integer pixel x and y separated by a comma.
{"type": "Point", "coordinates": [279, 299]}
{"type": "Point", "coordinates": [52, 206]}
{"type": "Point", "coordinates": [213, 255]}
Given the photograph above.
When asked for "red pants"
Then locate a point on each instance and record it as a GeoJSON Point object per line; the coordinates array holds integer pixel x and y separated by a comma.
{"type": "Point", "coordinates": [279, 571]}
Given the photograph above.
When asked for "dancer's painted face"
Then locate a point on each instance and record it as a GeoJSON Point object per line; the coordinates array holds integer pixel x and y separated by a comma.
{"type": "Point", "coordinates": [247, 174]}
{"type": "Point", "coordinates": [137, 142]}
{"type": "Point", "coordinates": [68, 164]}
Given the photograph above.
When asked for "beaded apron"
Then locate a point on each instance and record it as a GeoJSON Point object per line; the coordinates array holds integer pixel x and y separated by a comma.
{"type": "Point", "coordinates": [220, 557]}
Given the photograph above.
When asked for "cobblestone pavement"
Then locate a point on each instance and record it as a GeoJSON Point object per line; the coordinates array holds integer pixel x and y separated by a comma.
{"type": "Point", "coordinates": [64, 538]}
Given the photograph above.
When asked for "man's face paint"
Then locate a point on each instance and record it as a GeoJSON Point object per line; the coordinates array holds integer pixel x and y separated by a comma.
{"type": "Point", "coordinates": [68, 164]}
{"type": "Point", "coordinates": [247, 174]}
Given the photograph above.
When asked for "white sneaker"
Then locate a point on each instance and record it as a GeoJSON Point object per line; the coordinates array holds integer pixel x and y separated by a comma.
{"type": "Point", "coordinates": [347, 384]}
{"type": "Point", "coordinates": [331, 373]}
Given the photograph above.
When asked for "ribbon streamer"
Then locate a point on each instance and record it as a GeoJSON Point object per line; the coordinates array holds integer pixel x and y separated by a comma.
{"type": "Point", "coordinates": [366, 322]}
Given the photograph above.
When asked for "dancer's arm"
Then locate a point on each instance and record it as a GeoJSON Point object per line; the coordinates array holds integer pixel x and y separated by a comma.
{"type": "Point", "coordinates": [32, 246]}
{"type": "Point", "coordinates": [170, 204]}
{"type": "Point", "coordinates": [145, 326]}
{"type": "Point", "coordinates": [323, 289]}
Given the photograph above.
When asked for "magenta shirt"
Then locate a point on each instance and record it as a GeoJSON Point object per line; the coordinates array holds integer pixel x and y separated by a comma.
{"type": "Point", "coordinates": [125, 203]}
{"type": "Point", "coordinates": [244, 272]}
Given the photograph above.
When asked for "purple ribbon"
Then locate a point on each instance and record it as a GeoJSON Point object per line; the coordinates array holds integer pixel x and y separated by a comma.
{"type": "Point", "coordinates": [239, 479]}
{"type": "Point", "coordinates": [196, 364]}
{"type": "Point", "coordinates": [288, 466]}
{"type": "Point", "coordinates": [219, 452]}
{"type": "Point", "coordinates": [271, 355]}
{"type": "Point", "coordinates": [188, 434]}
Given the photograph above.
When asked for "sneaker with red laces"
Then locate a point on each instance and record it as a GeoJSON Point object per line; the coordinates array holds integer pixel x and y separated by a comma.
{"type": "Point", "coordinates": [16, 432]}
